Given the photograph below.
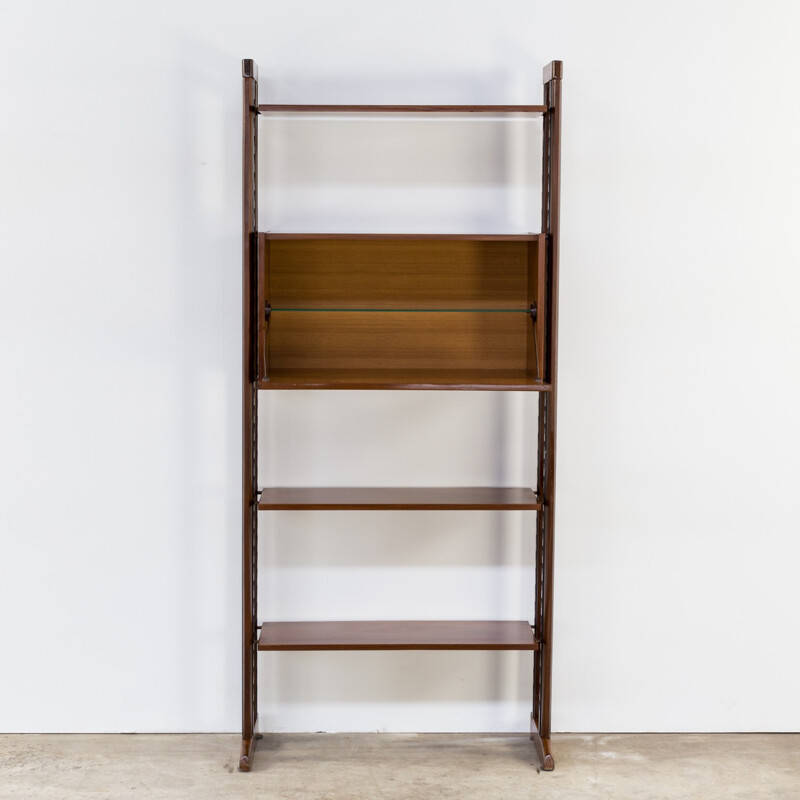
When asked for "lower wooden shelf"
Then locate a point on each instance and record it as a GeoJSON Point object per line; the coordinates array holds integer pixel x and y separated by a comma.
{"type": "Point", "coordinates": [467, 498]}
{"type": "Point", "coordinates": [471, 380]}
{"type": "Point", "coordinates": [398, 635]}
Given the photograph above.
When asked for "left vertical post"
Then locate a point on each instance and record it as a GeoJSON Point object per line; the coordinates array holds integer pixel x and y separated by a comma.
{"type": "Point", "coordinates": [249, 414]}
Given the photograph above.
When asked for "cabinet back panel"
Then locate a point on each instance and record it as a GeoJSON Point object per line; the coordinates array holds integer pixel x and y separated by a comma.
{"type": "Point", "coordinates": [398, 340]}
{"type": "Point", "coordinates": [397, 274]}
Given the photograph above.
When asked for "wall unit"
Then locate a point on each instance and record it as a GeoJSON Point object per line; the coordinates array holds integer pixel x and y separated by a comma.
{"type": "Point", "coordinates": [402, 311]}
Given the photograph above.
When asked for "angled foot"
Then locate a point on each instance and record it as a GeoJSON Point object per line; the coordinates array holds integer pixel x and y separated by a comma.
{"type": "Point", "coordinates": [548, 762]}
{"type": "Point", "coordinates": [246, 755]}
{"type": "Point", "coordinates": [249, 746]}
{"type": "Point", "coordinates": [542, 746]}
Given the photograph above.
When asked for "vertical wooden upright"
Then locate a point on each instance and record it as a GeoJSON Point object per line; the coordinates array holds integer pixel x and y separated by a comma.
{"type": "Point", "coordinates": [249, 414]}
{"type": "Point", "coordinates": [551, 193]}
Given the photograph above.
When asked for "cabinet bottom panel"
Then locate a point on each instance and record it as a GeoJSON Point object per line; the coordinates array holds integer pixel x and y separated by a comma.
{"type": "Point", "coordinates": [334, 378]}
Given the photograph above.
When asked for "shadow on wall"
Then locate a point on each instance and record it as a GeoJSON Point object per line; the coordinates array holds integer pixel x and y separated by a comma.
{"type": "Point", "coordinates": [206, 158]}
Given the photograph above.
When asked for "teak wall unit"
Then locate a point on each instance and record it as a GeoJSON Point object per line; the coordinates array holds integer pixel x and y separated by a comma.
{"type": "Point", "coordinates": [342, 311]}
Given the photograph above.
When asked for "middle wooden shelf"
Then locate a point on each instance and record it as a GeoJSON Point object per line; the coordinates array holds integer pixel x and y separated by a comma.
{"type": "Point", "coordinates": [398, 635]}
{"type": "Point", "coordinates": [457, 498]}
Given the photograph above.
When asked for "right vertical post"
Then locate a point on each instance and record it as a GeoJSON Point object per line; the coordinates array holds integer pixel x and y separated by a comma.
{"type": "Point", "coordinates": [546, 477]}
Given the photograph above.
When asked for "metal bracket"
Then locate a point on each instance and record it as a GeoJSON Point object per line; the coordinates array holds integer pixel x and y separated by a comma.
{"type": "Point", "coordinates": [267, 311]}
{"type": "Point", "coordinates": [532, 312]}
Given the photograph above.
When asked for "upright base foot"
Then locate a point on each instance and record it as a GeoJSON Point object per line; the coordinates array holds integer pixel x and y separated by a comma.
{"type": "Point", "coordinates": [248, 749]}
{"type": "Point", "coordinates": [246, 756]}
{"type": "Point", "coordinates": [542, 746]}
{"type": "Point", "coordinates": [548, 763]}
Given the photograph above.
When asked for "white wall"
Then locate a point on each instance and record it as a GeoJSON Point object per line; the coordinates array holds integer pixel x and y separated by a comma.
{"type": "Point", "coordinates": [119, 314]}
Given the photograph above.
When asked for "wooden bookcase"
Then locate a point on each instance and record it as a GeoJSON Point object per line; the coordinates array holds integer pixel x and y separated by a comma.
{"type": "Point", "coordinates": [401, 311]}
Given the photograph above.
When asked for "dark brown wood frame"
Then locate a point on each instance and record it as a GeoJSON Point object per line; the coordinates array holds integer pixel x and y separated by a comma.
{"type": "Point", "coordinates": [249, 416]}
{"type": "Point", "coordinates": [540, 375]}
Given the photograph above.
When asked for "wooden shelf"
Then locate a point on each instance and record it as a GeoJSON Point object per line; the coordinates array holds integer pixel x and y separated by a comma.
{"type": "Point", "coordinates": [294, 108]}
{"type": "Point", "coordinates": [431, 379]}
{"type": "Point", "coordinates": [475, 498]}
{"type": "Point", "coordinates": [398, 635]}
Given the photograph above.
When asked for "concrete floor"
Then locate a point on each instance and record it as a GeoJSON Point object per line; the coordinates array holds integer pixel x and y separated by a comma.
{"type": "Point", "coordinates": [394, 766]}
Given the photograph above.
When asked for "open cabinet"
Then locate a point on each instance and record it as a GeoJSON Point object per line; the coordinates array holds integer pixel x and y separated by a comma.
{"type": "Point", "coordinates": [362, 311]}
